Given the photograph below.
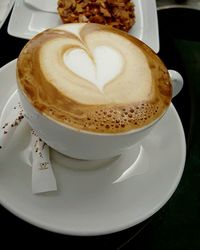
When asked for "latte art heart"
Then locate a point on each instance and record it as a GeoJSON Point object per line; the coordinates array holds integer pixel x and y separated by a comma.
{"type": "Point", "coordinates": [98, 69]}
{"type": "Point", "coordinates": [95, 78]}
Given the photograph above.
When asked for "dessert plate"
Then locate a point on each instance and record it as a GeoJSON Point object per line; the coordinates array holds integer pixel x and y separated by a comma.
{"type": "Point", "coordinates": [120, 193]}
{"type": "Point", "coordinates": [26, 22]}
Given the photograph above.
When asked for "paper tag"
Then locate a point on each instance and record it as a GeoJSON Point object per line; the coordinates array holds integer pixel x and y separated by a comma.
{"type": "Point", "coordinates": [43, 179]}
{"type": "Point", "coordinates": [12, 116]}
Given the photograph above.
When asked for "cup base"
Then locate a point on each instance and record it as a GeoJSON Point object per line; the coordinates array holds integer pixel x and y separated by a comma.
{"type": "Point", "coordinates": [80, 164]}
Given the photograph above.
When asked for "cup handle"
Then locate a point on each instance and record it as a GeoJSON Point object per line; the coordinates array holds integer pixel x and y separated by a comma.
{"type": "Point", "coordinates": [177, 82]}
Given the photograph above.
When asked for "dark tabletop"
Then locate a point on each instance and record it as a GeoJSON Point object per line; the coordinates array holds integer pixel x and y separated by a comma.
{"type": "Point", "coordinates": [177, 224]}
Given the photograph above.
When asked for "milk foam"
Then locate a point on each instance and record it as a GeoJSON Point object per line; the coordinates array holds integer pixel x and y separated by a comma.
{"type": "Point", "coordinates": [105, 64]}
{"type": "Point", "coordinates": [97, 68]}
{"type": "Point", "coordinates": [94, 78]}
{"type": "Point", "coordinates": [72, 28]}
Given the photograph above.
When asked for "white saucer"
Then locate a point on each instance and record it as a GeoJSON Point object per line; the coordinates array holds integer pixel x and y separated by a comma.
{"type": "Point", "coordinates": [26, 22]}
{"type": "Point", "coordinates": [124, 192]}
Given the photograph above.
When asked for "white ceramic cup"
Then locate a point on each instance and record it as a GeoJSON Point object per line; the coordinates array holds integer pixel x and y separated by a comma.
{"type": "Point", "coordinates": [83, 144]}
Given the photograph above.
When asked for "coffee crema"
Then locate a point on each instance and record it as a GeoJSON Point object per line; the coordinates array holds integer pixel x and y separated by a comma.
{"type": "Point", "coordinates": [95, 78]}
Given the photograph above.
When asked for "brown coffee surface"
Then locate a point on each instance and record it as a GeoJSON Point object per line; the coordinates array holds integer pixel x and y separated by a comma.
{"type": "Point", "coordinates": [139, 94]}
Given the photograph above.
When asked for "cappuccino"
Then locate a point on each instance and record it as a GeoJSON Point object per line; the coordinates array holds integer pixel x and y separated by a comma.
{"type": "Point", "coordinates": [94, 78]}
